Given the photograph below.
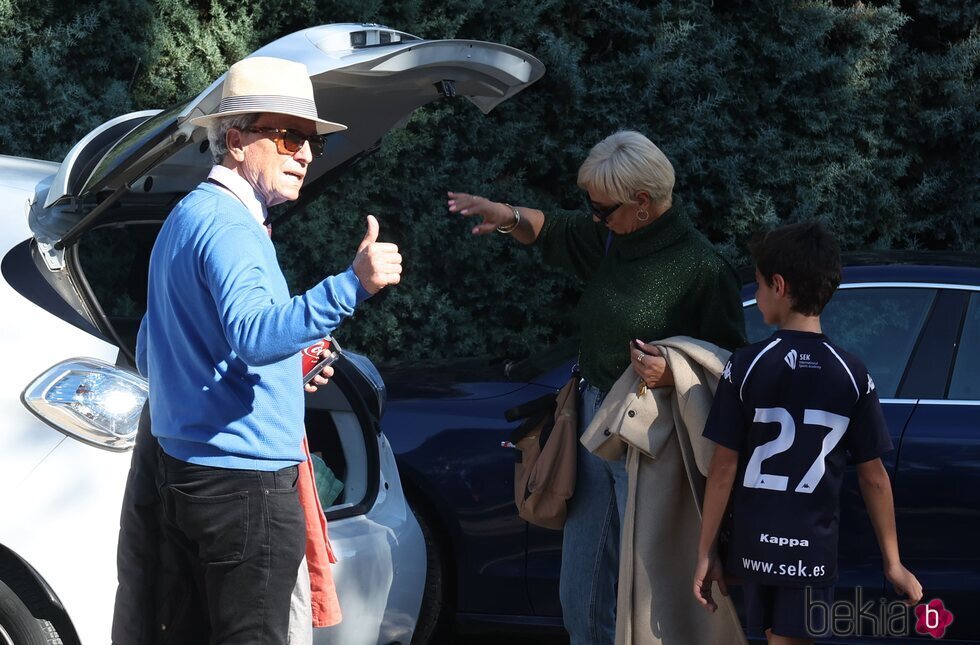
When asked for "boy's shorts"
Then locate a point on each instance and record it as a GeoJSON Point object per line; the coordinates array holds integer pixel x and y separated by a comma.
{"type": "Point", "coordinates": [785, 610]}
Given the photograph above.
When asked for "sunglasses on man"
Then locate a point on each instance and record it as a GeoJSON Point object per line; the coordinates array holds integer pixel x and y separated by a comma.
{"type": "Point", "coordinates": [601, 213]}
{"type": "Point", "coordinates": [289, 142]}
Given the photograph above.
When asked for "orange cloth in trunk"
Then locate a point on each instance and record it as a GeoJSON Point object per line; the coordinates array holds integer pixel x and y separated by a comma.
{"type": "Point", "coordinates": [319, 554]}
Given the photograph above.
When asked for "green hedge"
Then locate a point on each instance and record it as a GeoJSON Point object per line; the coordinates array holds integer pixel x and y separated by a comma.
{"type": "Point", "coordinates": [863, 115]}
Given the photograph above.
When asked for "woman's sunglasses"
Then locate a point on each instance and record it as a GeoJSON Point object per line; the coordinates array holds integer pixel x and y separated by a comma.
{"type": "Point", "coordinates": [602, 213]}
{"type": "Point", "coordinates": [289, 142]}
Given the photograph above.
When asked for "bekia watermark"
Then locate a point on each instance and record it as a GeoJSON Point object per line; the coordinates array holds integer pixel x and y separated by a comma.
{"type": "Point", "coordinates": [876, 616]}
{"type": "Point", "coordinates": [932, 618]}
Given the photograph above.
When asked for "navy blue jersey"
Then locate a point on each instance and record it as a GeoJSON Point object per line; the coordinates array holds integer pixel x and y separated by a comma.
{"type": "Point", "coordinates": [793, 406]}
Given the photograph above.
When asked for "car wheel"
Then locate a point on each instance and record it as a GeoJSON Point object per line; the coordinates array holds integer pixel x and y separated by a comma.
{"type": "Point", "coordinates": [18, 626]}
{"type": "Point", "coordinates": [436, 609]}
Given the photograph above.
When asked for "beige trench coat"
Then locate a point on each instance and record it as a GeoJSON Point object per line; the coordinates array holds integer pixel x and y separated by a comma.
{"type": "Point", "coordinates": [667, 462]}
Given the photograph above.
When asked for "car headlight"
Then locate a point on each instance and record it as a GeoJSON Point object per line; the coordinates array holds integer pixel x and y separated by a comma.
{"type": "Point", "coordinates": [90, 400]}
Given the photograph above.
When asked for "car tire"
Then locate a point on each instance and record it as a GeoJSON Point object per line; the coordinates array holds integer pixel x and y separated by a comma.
{"type": "Point", "coordinates": [18, 626]}
{"type": "Point", "coordinates": [434, 614]}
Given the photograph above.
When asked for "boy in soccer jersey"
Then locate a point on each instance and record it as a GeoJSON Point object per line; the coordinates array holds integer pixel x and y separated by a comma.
{"type": "Point", "coordinates": [787, 412]}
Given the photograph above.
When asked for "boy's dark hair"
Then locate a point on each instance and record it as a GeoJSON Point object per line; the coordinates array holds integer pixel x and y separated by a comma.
{"type": "Point", "coordinates": [808, 258]}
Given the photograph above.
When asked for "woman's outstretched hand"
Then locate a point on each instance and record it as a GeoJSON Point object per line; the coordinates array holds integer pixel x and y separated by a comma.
{"type": "Point", "coordinates": [494, 214]}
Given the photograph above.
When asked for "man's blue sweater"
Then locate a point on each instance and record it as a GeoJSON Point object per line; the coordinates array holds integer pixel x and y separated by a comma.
{"type": "Point", "coordinates": [221, 338]}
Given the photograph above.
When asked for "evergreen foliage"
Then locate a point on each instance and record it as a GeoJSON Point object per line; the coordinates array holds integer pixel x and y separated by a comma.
{"type": "Point", "coordinates": [67, 68]}
{"type": "Point", "coordinates": [861, 114]}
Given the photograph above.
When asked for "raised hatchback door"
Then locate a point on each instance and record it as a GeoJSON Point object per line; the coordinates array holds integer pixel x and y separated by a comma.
{"type": "Point", "coordinates": [366, 76]}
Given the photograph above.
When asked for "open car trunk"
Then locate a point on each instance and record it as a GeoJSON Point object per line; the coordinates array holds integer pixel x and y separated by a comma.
{"type": "Point", "coordinates": [96, 219]}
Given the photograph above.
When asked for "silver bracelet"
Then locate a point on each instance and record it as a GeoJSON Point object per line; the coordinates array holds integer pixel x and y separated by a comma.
{"type": "Point", "coordinates": [506, 230]}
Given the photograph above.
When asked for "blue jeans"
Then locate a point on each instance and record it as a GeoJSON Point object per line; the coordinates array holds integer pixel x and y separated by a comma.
{"type": "Point", "coordinates": [590, 544]}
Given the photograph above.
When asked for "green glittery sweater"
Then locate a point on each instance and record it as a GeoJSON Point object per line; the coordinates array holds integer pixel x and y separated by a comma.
{"type": "Point", "coordinates": [662, 280]}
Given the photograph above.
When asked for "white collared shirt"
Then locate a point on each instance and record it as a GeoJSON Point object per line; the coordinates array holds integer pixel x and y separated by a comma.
{"type": "Point", "coordinates": [237, 186]}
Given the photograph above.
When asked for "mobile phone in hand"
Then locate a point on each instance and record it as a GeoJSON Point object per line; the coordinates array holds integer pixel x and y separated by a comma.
{"type": "Point", "coordinates": [317, 356]}
{"type": "Point", "coordinates": [634, 345]}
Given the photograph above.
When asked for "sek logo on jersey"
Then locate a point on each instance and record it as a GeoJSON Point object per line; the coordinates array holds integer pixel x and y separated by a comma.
{"type": "Point", "coordinates": [790, 359]}
{"type": "Point", "coordinates": [871, 385]}
{"type": "Point", "coordinates": [727, 374]}
{"type": "Point", "coordinates": [795, 359]}
{"type": "Point", "coordinates": [781, 541]}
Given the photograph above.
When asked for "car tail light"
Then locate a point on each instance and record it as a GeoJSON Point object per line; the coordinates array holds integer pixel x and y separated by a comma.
{"type": "Point", "coordinates": [90, 400]}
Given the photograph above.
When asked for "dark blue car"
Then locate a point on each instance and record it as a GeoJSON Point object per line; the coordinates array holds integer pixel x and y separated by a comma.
{"type": "Point", "coordinates": [915, 321]}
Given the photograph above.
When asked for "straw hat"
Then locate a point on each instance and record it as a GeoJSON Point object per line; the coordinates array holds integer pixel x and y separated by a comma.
{"type": "Point", "coordinates": [263, 84]}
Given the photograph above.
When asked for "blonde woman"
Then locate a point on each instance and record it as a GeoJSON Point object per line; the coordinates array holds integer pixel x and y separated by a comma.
{"type": "Point", "coordinates": [649, 274]}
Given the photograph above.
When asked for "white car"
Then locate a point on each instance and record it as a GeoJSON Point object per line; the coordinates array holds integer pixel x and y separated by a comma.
{"type": "Point", "coordinates": [75, 243]}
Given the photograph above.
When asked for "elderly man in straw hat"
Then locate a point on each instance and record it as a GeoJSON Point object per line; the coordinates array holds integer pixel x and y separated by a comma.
{"type": "Point", "coordinates": [221, 344]}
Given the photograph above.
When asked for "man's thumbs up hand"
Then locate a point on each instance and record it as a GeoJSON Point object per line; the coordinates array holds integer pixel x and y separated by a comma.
{"type": "Point", "coordinates": [377, 264]}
